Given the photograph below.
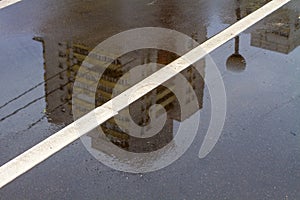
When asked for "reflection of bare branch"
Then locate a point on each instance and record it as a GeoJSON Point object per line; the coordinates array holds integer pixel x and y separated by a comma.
{"type": "Point", "coordinates": [32, 102]}
{"type": "Point", "coordinates": [31, 89]}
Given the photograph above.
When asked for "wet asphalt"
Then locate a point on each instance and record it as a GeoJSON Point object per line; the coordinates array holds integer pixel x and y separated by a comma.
{"type": "Point", "coordinates": [258, 154]}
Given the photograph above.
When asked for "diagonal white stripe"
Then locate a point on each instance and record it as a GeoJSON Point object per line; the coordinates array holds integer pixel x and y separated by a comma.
{"type": "Point", "coordinates": [59, 140]}
{"type": "Point", "coordinates": [5, 3]}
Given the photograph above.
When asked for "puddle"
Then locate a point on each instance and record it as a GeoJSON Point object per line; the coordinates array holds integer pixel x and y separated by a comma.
{"type": "Point", "coordinates": [257, 156]}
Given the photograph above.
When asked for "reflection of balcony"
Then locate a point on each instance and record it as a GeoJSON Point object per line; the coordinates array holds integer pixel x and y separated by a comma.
{"type": "Point", "coordinates": [79, 56]}
{"type": "Point", "coordinates": [109, 84]}
{"type": "Point", "coordinates": [81, 49]}
{"type": "Point", "coordinates": [166, 100]}
{"type": "Point", "coordinates": [86, 92]}
{"type": "Point", "coordinates": [84, 103]}
{"type": "Point", "coordinates": [106, 95]}
{"type": "Point", "coordinates": [94, 61]}
{"type": "Point", "coordinates": [115, 134]}
{"type": "Point", "coordinates": [162, 93]}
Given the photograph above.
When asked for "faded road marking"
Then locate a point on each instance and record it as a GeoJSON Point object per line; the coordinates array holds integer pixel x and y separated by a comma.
{"type": "Point", "coordinates": [5, 3]}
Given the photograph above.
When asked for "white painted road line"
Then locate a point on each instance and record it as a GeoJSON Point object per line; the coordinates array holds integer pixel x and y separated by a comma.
{"type": "Point", "coordinates": [59, 140]}
{"type": "Point", "coordinates": [5, 3]}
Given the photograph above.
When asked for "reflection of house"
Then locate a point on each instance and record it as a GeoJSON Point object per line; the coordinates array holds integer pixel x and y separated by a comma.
{"type": "Point", "coordinates": [59, 102]}
{"type": "Point", "coordinates": [280, 32]}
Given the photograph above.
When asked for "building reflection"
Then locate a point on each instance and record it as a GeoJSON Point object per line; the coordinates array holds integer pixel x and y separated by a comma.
{"type": "Point", "coordinates": [280, 32]}
{"type": "Point", "coordinates": [63, 60]}
{"type": "Point", "coordinates": [59, 103]}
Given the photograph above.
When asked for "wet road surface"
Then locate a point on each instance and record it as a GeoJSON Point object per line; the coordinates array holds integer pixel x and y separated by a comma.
{"type": "Point", "coordinates": [258, 154]}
